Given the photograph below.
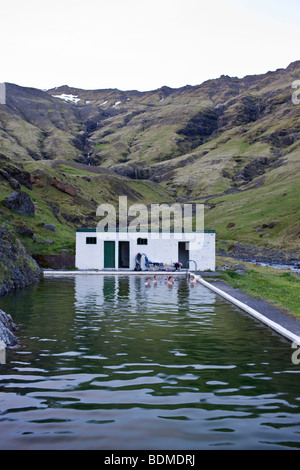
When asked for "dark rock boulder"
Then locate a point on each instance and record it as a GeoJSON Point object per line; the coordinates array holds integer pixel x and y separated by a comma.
{"type": "Point", "coordinates": [25, 231]}
{"type": "Point", "coordinates": [20, 202]}
{"type": "Point", "coordinates": [7, 328]}
{"type": "Point", "coordinates": [50, 227]}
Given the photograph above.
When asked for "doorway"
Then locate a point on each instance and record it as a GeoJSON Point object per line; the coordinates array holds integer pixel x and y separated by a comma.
{"type": "Point", "coordinates": [123, 254]}
{"type": "Point", "coordinates": [183, 253]}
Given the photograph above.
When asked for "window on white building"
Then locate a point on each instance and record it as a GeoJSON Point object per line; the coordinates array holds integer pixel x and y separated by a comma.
{"type": "Point", "coordinates": [91, 240]}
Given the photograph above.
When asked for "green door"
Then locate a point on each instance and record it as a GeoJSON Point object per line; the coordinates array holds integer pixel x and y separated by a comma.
{"type": "Point", "coordinates": [109, 254]}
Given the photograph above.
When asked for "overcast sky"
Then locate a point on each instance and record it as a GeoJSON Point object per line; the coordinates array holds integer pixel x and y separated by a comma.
{"type": "Point", "coordinates": [144, 44]}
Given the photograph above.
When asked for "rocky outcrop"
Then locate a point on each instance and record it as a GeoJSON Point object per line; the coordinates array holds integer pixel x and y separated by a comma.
{"type": "Point", "coordinates": [14, 175]}
{"type": "Point", "coordinates": [198, 129]}
{"type": "Point", "coordinates": [257, 254]}
{"type": "Point", "coordinates": [132, 171]}
{"type": "Point", "coordinates": [65, 187]}
{"type": "Point", "coordinates": [13, 183]}
{"type": "Point", "coordinates": [256, 167]}
{"type": "Point", "coordinates": [7, 328]}
{"type": "Point", "coordinates": [17, 268]}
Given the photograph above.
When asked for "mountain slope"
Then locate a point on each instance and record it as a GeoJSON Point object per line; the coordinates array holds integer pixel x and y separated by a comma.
{"type": "Point", "coordinates": [232, 144]}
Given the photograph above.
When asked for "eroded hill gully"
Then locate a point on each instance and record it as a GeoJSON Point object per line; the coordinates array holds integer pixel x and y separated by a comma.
{"type": "Point", "coordinates": [203, 126]}
{"type": "Point", "coordinates": [92, 119]}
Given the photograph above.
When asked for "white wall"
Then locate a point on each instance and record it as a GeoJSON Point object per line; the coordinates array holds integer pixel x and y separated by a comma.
{"type": "Point", "coordinates": [162, 250]}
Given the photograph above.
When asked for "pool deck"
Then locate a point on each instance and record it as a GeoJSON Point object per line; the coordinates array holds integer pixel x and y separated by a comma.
{"type": "Point", "coordinates": [109, 272]}
{"type": "Point", "coordinates": [284, 324]}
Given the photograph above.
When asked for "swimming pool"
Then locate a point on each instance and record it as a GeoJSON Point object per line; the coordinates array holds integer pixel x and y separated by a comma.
{"type": "Point", "coordinates": [105, 362]}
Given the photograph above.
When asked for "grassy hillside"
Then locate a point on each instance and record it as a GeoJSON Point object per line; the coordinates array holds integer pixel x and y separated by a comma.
{"type": "Point", "coordinates": [71, 207]}
{"type": "Point", "coordinates": [232, 144]}
{"type": "Point", "coordinates": [275, 286]}
{"type": "Point", "coordinates": [265, 212]}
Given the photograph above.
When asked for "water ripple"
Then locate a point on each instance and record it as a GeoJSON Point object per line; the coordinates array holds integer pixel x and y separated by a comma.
{"type": "Point", "coordinates": [116, 365]}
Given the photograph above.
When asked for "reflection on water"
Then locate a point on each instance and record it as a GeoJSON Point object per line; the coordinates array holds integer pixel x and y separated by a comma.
{"type": "Point", "coordinates": [105, 362]}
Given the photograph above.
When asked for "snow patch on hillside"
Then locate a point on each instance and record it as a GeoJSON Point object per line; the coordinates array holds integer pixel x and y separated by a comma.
{"type": "Point", "coordinates": [72, 98]}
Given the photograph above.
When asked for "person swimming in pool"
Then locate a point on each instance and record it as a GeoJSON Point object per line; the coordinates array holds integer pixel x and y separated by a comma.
{"type": "Point", "coordinates": [148, 282]}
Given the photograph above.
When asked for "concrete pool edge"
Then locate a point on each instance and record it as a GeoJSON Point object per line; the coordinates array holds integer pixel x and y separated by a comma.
{"type": "Point", "coordinates": [254, 313]}
{"type": "Point", "coordinates": [109, 272]}
{"type": "Point", "coordinates": [274, 325]}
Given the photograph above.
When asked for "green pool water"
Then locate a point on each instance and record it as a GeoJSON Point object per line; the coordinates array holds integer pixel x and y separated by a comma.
{"type": "Point", "coordinates": [104, 362]}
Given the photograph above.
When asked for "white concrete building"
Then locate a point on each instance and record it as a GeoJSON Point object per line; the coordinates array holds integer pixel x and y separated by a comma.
{"type": "Point", "coordinates": [144, 250]}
